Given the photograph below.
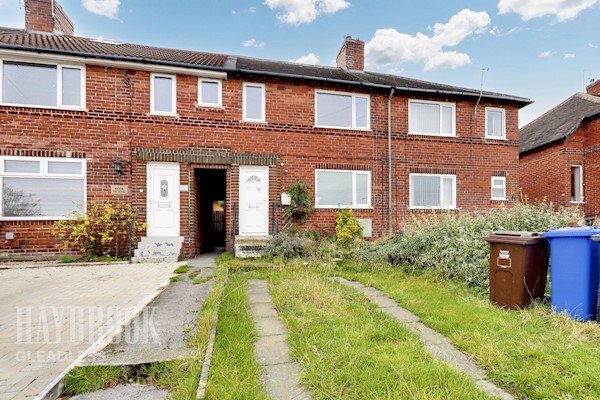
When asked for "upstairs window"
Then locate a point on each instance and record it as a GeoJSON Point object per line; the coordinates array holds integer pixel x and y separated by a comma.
{"type": "Point", "coordinates": [209, 93]}
{"type": "Point", "coordinates": [335, 188]}
{"type": "Point", "coordinates": [33, 188]}
{"type": "Point", "coordinates": [341, 110]}
{"type": "Point", "coordinates": [498, 188]}
{"type": "Point", "coordinates": [576, 184]}
{"type": "Point", "coordinates": [432, 191]}
{"type": "Point", "coordinates": [254, 102]}
{"type": "Point", "coordinates": [431, 118]}
{"type": "Point", "coordinates": [495, 123]}
{"type": "Point", "coordinates": [40, 85]}
{"type": "Point", "coordinates": [163, 94]}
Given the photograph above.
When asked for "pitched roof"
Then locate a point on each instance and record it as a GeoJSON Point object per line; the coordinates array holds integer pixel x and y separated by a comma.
{"type": "Point", "coordinates": [103, 49]}
{"type": "Point", "coordinates": [560, 122]}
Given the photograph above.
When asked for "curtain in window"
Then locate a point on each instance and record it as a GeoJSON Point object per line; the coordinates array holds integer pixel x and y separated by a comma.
{"type": "Point", "coordinates": [425, 191]}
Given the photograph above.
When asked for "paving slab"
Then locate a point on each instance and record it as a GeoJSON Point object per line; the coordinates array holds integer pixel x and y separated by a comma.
{"type": "Point", "coordinates": [51, 316]}
{"type": "Point", "coordinates": [126, 392]}
{"type": "Point", "coordinates": [280, 374]}
{"type": "Point", "coordinates": [438, 345]}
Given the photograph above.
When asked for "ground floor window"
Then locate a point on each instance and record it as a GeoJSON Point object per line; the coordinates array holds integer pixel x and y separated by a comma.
{"type": "Point", "coordinates": [41, 188]}
{"type": "Point", "coordinates": [576, 183]}
{"type": "Point", "coordinates": [432, 191]}
{"type": "Point", "coordinates": [337, 188]}
{"type": "Point", "coordinates": [498, 188]}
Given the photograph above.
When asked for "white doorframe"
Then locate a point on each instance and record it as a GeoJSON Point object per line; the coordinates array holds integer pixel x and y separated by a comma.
{"type": "Point", "coordinates": [162, 207]}
{"type": "Point", "coordinates": [254, 200]}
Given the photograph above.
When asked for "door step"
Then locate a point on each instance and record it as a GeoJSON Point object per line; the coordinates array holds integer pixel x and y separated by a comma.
{"type": "Point", "coordinates": [158, 249]}
{"type": "Point", "coordinates": [250, 246]}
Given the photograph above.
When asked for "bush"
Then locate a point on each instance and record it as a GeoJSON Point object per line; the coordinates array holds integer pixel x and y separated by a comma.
{"type": "Point", "coordinates": [452, 245]}
{"type": "Point", "coordinates": [286, 245]}
{"type": "Point", "coordinates": [347, 228]}
{"type": "Point", "coordinates": [101, 232]}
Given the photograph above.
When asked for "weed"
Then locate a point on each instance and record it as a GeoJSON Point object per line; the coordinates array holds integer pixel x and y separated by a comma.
{"type": "Point", "coordinates": [176, 278]}
{"type": "Point", "coordinates": [182, 269]}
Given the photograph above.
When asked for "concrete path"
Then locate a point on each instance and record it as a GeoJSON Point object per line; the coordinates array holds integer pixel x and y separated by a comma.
{"type": "Point", "coordinates": [280, 373]}
{"type": "Point", "coordinates": [436, 344]}
{"type": "Point", "coordinates": [50, 317]}
{"type": "Point", "coordinates": [126, 392]}
{"type": "Point", "coordinates": [161, 331]}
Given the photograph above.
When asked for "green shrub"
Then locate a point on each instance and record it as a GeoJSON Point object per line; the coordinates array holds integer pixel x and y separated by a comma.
{"type": "Point", "coordinates": [453, 246]}
{"type": "Point", "coordinates": [102, 231]}
{"type": "Point", "coordinates": [300, 201]}
{"type": "Point", "coordinates": [347, 228]}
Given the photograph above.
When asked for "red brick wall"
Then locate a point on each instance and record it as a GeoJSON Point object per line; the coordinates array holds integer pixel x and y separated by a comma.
{"type": "Point", "coordinates": [39, 17]}
{"type": "Point", "coordinates": [117, 120]}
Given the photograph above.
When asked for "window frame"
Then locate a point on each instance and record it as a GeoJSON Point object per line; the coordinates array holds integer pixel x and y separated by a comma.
{"type": "Point", "coordinates": [580, 168]}
{"type": "Point", "coordinates": [349, 206]}
{"type": "Point", "coordinates": [503, 112]}
{"type": "Point", "coordinates": [263, 102]}
{"type": "Point", "coordinates": [503, 187]}
{"type": "Point", "coordinates": [441, 206]}
{"type": "Point", "coordinates": [219, 103]}
{"type": "Point", "coordinates": [59, 89]}
{"type": "Point", "coordinates": [440, 104]}
{"type": "Point", "coordinates": [354, 96]}
{"type": "Point", "coordinates": [173, 77]}
{"type": "Point", "coordinates": [43, 174]}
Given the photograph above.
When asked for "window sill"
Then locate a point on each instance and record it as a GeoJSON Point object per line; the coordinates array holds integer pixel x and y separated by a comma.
{"type": "Point", "coordinates": [249, 122]}
{"type": "Point", "coordinates": [499, 200]}
{"type": "Point", "coordinates": [495, 138]}
{"type": "Point", "coordinates": [174, 116]}
{"type": "Point", "coordinates": [81, 109]}
{"type": "Point", "coordinates": [208, 107]}
{"type": "Point", "coordinates": [577, 202]}
{"type": "Point", "coordinates": [433, 135]}
{"type": "Point", "coordinates": [26, 219]}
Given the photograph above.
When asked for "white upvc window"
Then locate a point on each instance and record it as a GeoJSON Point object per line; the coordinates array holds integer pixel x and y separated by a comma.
{"type": "Point", "coordinates": [576, 184]}
{"type": "Point", "coordinates": [42, 85]}
{"type": "Point", "coordinates": [498, 188]}
{"type": "Point", "coordinates": [432, 191]}
{"type": "Point", "coordinates": [495, 123]}
{"type": "Point", "coordinates": [210, 92]}
{"type": "Point", "coordinates": [253, 108]}
{"type": "Point", "coordinates": [342, 110]}
{"type": "Point", "coordinates": [35, 188]}
{"type": "Point", "coordinates": [163, 94]}
{"type": "Point", "coordinates": [431, 118]}
{"type": "Point", "coordinates": [339, 188]}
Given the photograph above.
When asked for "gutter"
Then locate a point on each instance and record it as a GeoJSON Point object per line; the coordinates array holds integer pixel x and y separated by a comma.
{"type": "Point", "coordinates": [190, 66]}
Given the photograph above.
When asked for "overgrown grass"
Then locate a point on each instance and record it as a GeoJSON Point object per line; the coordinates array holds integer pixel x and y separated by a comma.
{"type": "Point", "coordinates": [182, 269]}
{"type": "Point", "coordinates": [348, 350]}
{"type": "Point", "coordinates": [533, 353]}
{"type": "Point", "coordinates": [234, 372]}
{"type": "Point", "coordinates": [180, 377]}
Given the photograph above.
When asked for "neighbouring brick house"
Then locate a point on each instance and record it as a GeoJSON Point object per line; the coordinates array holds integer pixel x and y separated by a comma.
{"type": "Point", "coordinates": [559, 153]}
{"type": "Point", "coordinates": [174, 132]}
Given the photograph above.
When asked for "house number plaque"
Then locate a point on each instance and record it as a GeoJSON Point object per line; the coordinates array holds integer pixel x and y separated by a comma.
{"type": "Point", "coordinates": [119, 190]}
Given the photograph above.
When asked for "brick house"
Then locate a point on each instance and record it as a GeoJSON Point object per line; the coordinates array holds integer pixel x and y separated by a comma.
{"type": "Point", "coordinates": [559, 158]}
{"type": "Point", "coordinates": [174, 132]}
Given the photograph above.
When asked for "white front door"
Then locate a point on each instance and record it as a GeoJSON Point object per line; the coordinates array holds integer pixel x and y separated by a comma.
{"type": "Point", "coordinates": [163, 199]}
{"type": "Point", "coordinates": [254, 200]}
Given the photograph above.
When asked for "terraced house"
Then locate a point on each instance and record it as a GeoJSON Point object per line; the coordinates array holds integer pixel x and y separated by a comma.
{"type": "Point", "coordinates": [180, 134]}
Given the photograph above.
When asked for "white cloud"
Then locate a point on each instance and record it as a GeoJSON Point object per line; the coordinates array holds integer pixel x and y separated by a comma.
{"type": "Point", "coordinates": [529, 9]}
{"type": "Point", "coordinates": [297, 12]}
{"type": "Point", "coordinates": [592, 45]}
{"type": "Point", "coordinates": [566, 56]}
{"type": "Point", "coordinates": [105, 8]}
{"type": "Point", "coordinates": [253, 43]}
{"type": "Point", "coordinates": [252, 10]}
{"type": "Point", "coordinates": [546, 53]}
{"type": "Point", "coordinates": [310, 58]}
{"type": "Point", "coordinates": [389, 46]}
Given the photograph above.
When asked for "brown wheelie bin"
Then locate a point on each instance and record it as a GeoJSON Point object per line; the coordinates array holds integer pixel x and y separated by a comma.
{"type": "Point", "coordinates": [518, 268]}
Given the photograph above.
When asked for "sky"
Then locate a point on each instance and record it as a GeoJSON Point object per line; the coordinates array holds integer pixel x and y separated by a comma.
{"type": "Point", "coordinates": [545, 50]}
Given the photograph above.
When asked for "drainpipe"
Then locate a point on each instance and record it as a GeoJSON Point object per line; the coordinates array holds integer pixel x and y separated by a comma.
{"type": "Point", "coordinates": [389, 160]}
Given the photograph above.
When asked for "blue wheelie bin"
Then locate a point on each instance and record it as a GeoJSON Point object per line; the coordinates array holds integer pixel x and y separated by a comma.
{"type": "Point", "coordinates": [574, 271]}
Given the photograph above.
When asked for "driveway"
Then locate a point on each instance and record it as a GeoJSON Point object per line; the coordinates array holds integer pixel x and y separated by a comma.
{"type": "Point", "coordinates": [51, 316]}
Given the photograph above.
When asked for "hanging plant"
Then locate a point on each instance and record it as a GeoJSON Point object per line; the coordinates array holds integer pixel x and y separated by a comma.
{"type": "Point", "coordinates": [300, 201]}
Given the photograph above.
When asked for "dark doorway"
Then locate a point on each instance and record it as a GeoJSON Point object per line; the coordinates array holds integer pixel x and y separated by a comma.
{"type": "Point", "coordinates": [211, 184]}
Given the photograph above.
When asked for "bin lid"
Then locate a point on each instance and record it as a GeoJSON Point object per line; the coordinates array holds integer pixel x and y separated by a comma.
{"type": "Point", "coordinates": [514, 237]}
{"type": "Point", "coordinates": [578, 231]}
{"type": "Point", "coordinates": [596, 238]}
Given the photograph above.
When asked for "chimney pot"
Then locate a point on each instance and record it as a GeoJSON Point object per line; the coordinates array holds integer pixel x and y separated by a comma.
{"type": "Point", "coordinates": [352, 54]}
{"type": "Point", "coordinates": [593, 88]}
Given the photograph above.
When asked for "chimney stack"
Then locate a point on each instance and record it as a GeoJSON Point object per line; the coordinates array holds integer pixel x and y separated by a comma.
{"type": "Point", "coordinates": [47, 16]}
{"type": "Point", "coordinates": [352, 54]}
{"type": "Point", "coordinates": [593, 88]}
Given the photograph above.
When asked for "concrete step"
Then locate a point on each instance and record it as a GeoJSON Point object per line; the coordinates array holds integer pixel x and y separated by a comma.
{"type": "Point", "coordinates": [167, 259]}
{"type": "Point", "coordinates": [250, 246]}
{"type": "Point", "coordinates": [158, 249]}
